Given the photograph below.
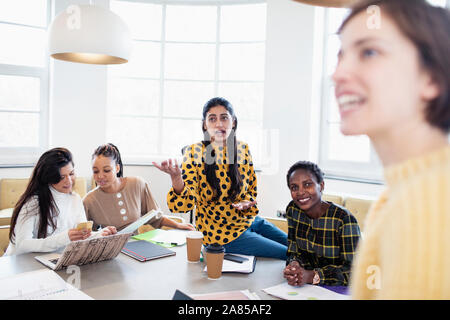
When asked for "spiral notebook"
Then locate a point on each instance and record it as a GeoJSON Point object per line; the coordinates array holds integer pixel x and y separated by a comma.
{"type": "Point", "coordinates": [144, 251]}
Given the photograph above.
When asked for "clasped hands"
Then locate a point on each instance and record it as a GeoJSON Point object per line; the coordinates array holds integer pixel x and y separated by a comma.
{"type": "Point", "coordinates": [296, 275]}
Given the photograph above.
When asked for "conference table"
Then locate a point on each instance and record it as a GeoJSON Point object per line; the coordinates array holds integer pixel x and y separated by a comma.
{"type": "Point", "coordinates": [124, 278]}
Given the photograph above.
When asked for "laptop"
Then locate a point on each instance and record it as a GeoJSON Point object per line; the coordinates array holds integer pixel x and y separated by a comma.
{"type": "Point", "coordinates": [86, 251]}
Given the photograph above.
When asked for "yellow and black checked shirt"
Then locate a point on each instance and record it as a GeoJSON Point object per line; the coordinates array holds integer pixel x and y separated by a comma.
{"type": "Point", "coordinates": [219, 221]}
{"type": "Point", "coordinates": [326, 244]}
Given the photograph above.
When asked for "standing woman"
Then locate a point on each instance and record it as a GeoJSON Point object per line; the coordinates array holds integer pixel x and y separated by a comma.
{"type": "Point", "coordinates": [46, 215]}
{"type": "Point", "coordinates": [217, 177]}
{"type": "Point", "coordinates": [118, 200]}
{"type": "Point", "coordinates": [393, 85]}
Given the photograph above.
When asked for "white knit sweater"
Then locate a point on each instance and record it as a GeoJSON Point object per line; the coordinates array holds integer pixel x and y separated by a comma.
{"type": "Point", "coordinates": [71, 212]}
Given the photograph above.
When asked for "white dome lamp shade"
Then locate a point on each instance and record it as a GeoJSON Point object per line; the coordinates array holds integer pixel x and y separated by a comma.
{"type": "Point", "coordinates": [89, 34]}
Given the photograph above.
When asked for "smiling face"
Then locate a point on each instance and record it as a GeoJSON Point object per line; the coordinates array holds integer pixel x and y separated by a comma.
{"type": "Point", "coordinates": [218, 123]}
{"type": "Point", "coordinates": [305, 190]}
{"type": "Point", "coordinates": [104, 171]}
{"type": "Point", "coordinates": [380, 84]}
{"type": "Point", "coordinates": [67, 181]}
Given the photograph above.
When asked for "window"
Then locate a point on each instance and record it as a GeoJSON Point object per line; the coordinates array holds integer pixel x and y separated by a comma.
{"type": "Point", "coordinates": [23, 80]}
{"type": "Point", "coordinates": [183, 55]}
{"type": "Point", "coordinates": [343, 156]}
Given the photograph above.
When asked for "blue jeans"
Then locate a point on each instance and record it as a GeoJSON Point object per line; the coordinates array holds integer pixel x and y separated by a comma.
{"type": "Point", "coordinates": [262, 239]}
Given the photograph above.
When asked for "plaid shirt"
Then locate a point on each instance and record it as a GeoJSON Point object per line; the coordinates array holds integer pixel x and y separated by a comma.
{"type": "Point", "coordinates": [326, 244]}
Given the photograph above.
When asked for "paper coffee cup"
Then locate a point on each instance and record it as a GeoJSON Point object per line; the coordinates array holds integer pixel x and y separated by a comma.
{"type": "Point", "coordinates": [214, 261]}
{"type": "Point", "coordinates": [194, 240]}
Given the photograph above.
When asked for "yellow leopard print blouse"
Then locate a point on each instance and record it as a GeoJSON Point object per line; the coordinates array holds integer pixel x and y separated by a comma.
{"type": "Point", "coordinates": [218, 220]}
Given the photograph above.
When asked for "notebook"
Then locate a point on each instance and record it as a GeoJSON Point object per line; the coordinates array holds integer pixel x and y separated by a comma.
{"type": "Point", "coordinates": [86, 251]}
{"type": "Point", "coordinates": [41, 284]}
{"type": "Point", "coordinates": [143, 250]}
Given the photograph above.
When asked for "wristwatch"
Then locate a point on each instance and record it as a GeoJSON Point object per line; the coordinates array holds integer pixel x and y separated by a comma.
{"type": "Point", "coordinates": [316, 279]}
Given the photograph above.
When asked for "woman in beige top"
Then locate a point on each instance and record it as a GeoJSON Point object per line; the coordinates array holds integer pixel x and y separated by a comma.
{"type": "Point", "coordinates": [118, 200]}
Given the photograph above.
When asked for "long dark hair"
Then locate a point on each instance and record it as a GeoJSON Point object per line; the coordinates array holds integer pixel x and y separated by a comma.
{"type": "Point", "coordinates": [111, 151]}
{"type": "Point", "coordinates": [45, 173]}
{"type": "Point", "coordinates": [428, 28]}
{"type": "Point", "coordinates": [210, 161]}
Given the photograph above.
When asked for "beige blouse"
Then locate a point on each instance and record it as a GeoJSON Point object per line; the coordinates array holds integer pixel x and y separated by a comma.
{"type": "Point", "coordinates": [121, 208]}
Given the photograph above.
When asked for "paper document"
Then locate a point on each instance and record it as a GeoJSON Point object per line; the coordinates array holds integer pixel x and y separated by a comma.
{"type": "Point", "coordinates": [247, 266]}
{"type": "Point", "coordinates": [39, 285]}
{"type": "Point", "coordinates": [141, 221]}
{"type": "Point", "coordinates": [169, 237]}
{"type": "Point", "coordinates": [304, 292]}
{"type": "Point", "coordinates": [227, 295]}
{"type": "Point", "coordinates": [177, 237]}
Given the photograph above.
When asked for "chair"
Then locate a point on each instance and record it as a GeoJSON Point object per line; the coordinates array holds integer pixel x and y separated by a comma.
{"type": "Point", "coordinates": [5, 216]}
{"type": "Point", "coordinates": [359, 208]}
{"type": "Point", "coordinates": [278, 222]}
{"type": "Point", "coordinates": [145, 228]}
{"type": "Point", "coordinates": [93, 184]}
{"type": "Point", "coordinates": [12, 189]}
{"type": "Point", "coordinates": [4, 239]}
{"type": "Point", "coordinates": [333, 198]}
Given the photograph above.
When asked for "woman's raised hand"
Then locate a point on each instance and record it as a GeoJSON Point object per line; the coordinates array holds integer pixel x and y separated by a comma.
{"type": "Point", "coordinates": [170, 167]}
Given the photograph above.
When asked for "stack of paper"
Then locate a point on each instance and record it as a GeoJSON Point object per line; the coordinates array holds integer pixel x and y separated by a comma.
{"type": "Point", "coordinates": [39, 285]}
{"type": "Point", "coordinates": [304, 292]}
{"type": "Point", "coordinates": [227, 295]}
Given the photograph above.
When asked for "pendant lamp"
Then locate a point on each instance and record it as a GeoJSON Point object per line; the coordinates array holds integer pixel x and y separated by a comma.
{"type": "Point", "coordinates": [89, 34]}
{"type": "Point", "coordinates": [328, 3]}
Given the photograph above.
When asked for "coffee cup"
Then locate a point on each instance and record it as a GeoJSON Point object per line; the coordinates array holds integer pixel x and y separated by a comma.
{"type": "Point", "coordinates": [214, 261]}
{"type": "Point", "coordinates": [194, 241]}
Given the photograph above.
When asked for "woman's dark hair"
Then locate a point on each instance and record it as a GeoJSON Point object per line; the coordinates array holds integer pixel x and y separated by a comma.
{"type": "Point", "coordinates": [308, 166]}
{"type": "Point", "coordinates": [428, 28]}
{"type": "Point", "coordinates": [45, 173]}
{"type": "Point", "coordinates": [111, 151]}
{"type": "Point", "coordinates": [210, 162]}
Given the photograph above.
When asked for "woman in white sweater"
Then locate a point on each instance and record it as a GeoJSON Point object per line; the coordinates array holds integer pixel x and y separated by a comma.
{"type": "Point", "coordinates": [45, 217]}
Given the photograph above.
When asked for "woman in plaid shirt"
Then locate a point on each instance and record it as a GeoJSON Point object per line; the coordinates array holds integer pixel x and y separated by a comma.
{"type": "Point", "coordinates": [322, 236]}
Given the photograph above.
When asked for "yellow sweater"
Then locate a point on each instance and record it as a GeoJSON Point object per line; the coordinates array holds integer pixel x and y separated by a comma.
{"type": "Point", "coordinates": [405, 253]}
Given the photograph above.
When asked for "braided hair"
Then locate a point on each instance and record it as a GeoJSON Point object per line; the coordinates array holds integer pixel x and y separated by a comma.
{"type": "Point", "coordinates": [111, 151]}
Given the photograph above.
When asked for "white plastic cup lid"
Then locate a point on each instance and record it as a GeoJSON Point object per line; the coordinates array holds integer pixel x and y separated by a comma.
{"type": "Point", "coordinates": [194, 235]}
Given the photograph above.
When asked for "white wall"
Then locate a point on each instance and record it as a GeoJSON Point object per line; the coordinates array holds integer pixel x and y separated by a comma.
{"type": "Point", "coordinates": [77, 104]}
{"type": "Point", "coordinates": [288, 93]}
{"type": "Point", "coordinates": [78, 108]}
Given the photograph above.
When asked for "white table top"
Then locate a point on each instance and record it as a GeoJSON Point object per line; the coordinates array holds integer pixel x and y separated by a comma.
{"type": "Point", "coordinates": [126, 278]}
